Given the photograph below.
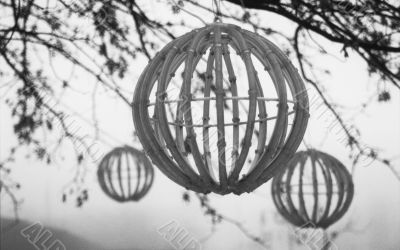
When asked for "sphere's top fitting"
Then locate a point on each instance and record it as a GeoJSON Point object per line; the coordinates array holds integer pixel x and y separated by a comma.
{"type": "Point", "coordinates": [315, 190]}
{"type": "Point", "coordinates": [207, 119]}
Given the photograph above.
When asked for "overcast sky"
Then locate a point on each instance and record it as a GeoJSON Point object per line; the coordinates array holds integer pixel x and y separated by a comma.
{"type": "Point", "coordinates": [374, 211]}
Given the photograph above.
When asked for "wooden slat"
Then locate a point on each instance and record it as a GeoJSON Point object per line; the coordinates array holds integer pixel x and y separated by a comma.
{"type": "Point", "coordinates": [302, 204]}
{"type": "Point", "coordinates": [206, 112]}
{"type": "Point", "coordinates": [143, 126]}
{"type": "Point", "coordinates": [315, 187]}
{"type": "Point", "coordinates": [219, 94]}
{"type": "Point", "coordinates": [161, 113]}
{"type": "Point", "coordinates": [245, 54]}
{"type": "Point", "coordinates": [235, 105]}
{"type": "Point", "coordinates": [190, 65]}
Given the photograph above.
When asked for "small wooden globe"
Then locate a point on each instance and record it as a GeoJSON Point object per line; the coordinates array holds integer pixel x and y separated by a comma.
{"type": "Point", "coordinates": [125, 174]}
{"type": "Point", "coordinates": [315, 190]}
{"type": "Point", "coordinates": [208, 121]}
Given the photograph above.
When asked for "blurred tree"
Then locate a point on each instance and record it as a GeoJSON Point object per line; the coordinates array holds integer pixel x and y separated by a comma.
{"type": "Point", "coordinates": [102, 39]}
{"type": "Point", "coordinates": [112, 33]}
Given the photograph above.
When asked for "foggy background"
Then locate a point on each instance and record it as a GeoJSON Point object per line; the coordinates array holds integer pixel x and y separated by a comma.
{"type": "Point", "coordinates": [372, 222]}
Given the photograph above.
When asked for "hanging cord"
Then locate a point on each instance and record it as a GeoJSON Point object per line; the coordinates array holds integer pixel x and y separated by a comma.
{"type": "Point", "coordinates": [217, 12]}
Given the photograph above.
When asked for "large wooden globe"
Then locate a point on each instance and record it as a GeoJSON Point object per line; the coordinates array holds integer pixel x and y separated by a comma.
{"type": "Point", "coordinates": [209, 121]}
{"type": "Point", "coordinates": [125, 174]}
{"type": "Point", "coordinates": [315, 190]}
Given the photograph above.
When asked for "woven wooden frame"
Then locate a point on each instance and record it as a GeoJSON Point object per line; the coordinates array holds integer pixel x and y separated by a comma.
{"type": "Point", "coordinates": [125, 174]}
{"type": "Point", "coordinates": [169, 154]}
{"type": "Point", "coordinates": [328, 206]}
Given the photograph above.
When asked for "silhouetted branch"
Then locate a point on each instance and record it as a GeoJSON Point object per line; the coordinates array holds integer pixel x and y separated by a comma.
{"type": "Point", "coordinates": [217, 217]}
{"type": "Point", "coordinates": [353, 142]}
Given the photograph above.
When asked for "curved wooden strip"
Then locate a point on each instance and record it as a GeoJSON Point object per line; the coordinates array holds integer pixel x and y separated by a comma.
{"type": "Point", "coordinates": [315, 186]}
{"type": "Point", "coordinates": [190, 64]}
{"type": "Point", "coordinates": [219, 94]}
{"type": "Point", "coordinates": [245, 53]}
{"type": "Point", "coordinates": [206, 113]}
{"type": "Point", "coordinates": [128, 169]}
{"type": "Point", "coordinates": [271, 64]}
{"type": "Point", "coordinates": [235, 105]}
{"type": "Point", "coordinates": [302, 206]}
{"type": "Point", "coordinates": [145, 131]}
{"type": "Point", "coordinates": [329, 187]}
